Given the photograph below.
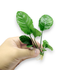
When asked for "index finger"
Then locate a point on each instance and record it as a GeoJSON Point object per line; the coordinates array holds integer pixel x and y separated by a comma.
{"type": "Point", "coordinates": [19, 43]}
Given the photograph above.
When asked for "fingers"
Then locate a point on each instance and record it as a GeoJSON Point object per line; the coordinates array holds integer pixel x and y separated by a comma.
{"type": "Point", "coordinates": [17, 41]}
{"type": "Point", "coordinates": [25, 53]}
{"type": "Point", "coordinates": [22, 45]}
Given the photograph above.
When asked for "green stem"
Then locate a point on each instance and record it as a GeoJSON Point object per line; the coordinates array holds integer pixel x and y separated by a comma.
{"type": "Point", "coordinates": [32, 40]}
{"type": "Point", "coordinates": [35, 42]}
{"type": "Point", "coordinates": [41, 41]}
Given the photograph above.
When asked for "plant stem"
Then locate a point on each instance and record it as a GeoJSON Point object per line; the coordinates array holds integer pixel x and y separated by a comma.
{"type": "Point", "coordinates": [32, 40]}
{"type": "Point", "coordinates": [41, 41]}
{"type": "Point", "coordinates": [35, 42]}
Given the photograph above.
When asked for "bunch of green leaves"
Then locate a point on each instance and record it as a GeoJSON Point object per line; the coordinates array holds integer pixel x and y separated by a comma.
{"type": "Point", "coordinates": [26, 25]}
{"type": "Point", "coordinates": [45, 45]}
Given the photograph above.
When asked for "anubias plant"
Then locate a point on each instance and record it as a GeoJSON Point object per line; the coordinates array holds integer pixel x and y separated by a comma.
{"type": "Point", "coordinates": [26, 25]}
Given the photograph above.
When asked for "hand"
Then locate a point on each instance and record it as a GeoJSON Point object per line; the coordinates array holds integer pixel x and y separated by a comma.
{"type": "Point", "coordinates": [13, 51]}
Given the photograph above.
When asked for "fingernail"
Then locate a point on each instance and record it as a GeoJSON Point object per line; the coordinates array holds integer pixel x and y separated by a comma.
{"type": "Point", "coordinates": [37, 52]}
{"type": "Point", "coordinates": [31, 48]}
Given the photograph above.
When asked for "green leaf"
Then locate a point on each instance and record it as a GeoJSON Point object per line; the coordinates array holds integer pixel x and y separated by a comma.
{"type": "Point", "coordinates": [29, 46]}
{"type": "Point", "coordinates": [50, 47]}
{"type": "Point", "coordinates": [45, 22]}
{"type": "Point", "coordinates": [35, 32]}
{"type": "Point", "coordinates": [25, 39]}
{"type": "Point", "coordinates": [24, 22]}
{"type": "Point", "coordinates": [45, 43]}
{"type": "Point", "coordinates": [43, 49]}
{"type": "Point", "coordinates": [42, 53]}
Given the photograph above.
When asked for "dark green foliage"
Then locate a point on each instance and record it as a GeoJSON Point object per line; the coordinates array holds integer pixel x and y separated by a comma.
{"type": "Point", "coordinates": [25, 39]}
{"type": "Point", "coordinates": [29, 46]}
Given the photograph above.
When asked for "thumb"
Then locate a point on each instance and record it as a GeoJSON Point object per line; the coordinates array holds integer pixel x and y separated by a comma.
{"type": "Point", "coordinates": [26, 53]}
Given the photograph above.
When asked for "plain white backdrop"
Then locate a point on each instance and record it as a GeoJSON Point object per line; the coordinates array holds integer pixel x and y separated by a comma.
{"type": "Point", "coordinates": [58, 36]}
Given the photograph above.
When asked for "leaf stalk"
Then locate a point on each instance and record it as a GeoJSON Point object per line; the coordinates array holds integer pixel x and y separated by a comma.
{"type": "Point", "coordinates": [41, 40]}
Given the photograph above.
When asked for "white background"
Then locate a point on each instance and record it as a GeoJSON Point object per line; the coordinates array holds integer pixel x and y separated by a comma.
{"type": "Point", "coordinates": [58, 36]}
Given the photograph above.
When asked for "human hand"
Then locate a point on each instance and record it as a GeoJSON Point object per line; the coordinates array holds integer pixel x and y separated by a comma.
{"type": "Point", "coordinates": [13, 51]}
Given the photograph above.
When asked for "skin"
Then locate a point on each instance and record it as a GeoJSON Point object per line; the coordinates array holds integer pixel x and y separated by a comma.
{"type": "Point", "coordinates": [13, 51]}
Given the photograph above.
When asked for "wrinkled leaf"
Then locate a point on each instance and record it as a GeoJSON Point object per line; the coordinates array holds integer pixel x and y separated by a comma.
{"type": "Point", "coordinates": [36, 32]}
{"type": "Point", "coordinates": [25, 39]}
{"type": "Point", "coordinates": [24, 22]}
{"type": "Point", "coordinates": [45, 22]}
